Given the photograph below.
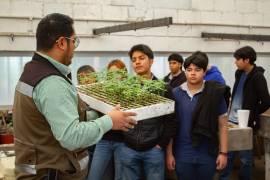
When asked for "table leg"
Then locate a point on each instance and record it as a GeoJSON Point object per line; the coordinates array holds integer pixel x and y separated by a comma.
{"type": "Point", "coordinates": [267, 157]}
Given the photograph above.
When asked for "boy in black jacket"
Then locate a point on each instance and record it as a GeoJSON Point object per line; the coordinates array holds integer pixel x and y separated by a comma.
{"type": "Point", "coordinates": [145, 144]}
{"type": "Point", "coordinates": [200, 146]}
{"type": "Point", "coordinates": [249, 92]}
{"type": "Point", "coordinates": [176, 77]}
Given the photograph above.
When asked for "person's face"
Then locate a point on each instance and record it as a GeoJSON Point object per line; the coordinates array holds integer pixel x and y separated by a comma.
{"type": "Point", "coordinates": [66, 47]}
{"type": "Point", "coordinates": [174, 66]}
{"type": "Point", "coordinates": [114, 68]}
{"type": "Point", "coordinates": [141, 63]}
{"type": "Point", "coordinates": [241, 63]}
{"type": "Point", "coordinates": [86, 77]}
{"type": "Point", "coordinates": [194, 74]}
{"type": "Point", "coordinates": [71, 46]}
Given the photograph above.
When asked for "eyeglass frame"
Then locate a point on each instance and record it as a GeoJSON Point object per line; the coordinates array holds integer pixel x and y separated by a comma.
{"type": "Point", "coordinates": [76, 41]}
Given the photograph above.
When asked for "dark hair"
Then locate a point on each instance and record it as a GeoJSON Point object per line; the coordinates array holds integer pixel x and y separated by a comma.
{"type": "Point", "coordinates": [51, 27]}
{"type": "Point", "coordinates": [142, 48]}
{"type": "Point", "coordinates": [198, 58]}
{"type": "Point", "coordinates": [85, 68]}
{"type": "Point", "coordinates": [118, 63]}
{"type": "Point", "coordinates": [176, 57]}
{"type": "Point", "coordinates": [246, 52]}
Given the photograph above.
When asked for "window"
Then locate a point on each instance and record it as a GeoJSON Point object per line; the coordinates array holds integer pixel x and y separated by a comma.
{"type": "Point", "coordinates": [12, 66]}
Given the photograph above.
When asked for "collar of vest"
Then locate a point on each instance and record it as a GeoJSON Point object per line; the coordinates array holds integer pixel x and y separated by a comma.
{"type": "Point", "coordinates": [37, 57]}
{"type": "Point", "coordinates": [39, 68]}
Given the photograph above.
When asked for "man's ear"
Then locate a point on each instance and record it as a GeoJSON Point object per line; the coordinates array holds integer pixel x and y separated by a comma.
{"type": "Point", "coordinates": [61, 43]}
{"type": "Point", "coordinates": [246, 60]}
{"type": "Point", "coordinates": [151, 61]}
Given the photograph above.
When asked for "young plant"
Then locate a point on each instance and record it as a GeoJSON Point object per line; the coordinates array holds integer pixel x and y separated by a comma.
{"type": "Point", "coordinates": [119, 87]}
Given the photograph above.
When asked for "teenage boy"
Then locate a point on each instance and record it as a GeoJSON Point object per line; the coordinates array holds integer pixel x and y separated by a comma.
{"type": "Point", "coordinates": [249, 92]}
{"type": "Point", "coordinates": [145, 144]}
{"type": "Point", "coordinates": [176, 76]}
{"type": "Point", "coordinates": [85, 71]}
{"type": "Point", "coordinates": [200, 146]}
{"type": "Point", "coordinates": [214, 74]}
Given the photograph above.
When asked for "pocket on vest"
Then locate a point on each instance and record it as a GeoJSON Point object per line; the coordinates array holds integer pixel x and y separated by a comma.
{"type": "Point", "coordinates": [79, 160]}
{"type": "Point", "coordinates": [25, 154]}
{"type": "Point", "coordinates": [26, 158]}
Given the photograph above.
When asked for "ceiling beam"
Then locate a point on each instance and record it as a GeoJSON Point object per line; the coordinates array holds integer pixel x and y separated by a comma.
{"type": "Point", "coordinates": [248, 37]}
{"type": "Point", "coordinates": [134, 26]}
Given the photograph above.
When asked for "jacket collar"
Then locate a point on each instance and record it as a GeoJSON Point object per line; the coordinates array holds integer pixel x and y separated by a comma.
{"type": "Point", "coordinates": [185, 88]}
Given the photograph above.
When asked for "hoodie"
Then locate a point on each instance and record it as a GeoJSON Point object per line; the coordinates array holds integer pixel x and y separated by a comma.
{"type": "Point", "coordinates": [214, 74]}
{"type": "Point", "coordinates": [256, 96]}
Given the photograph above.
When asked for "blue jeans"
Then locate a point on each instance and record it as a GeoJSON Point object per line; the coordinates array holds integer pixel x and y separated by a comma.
{"type": "Point", "coordinates": [245, 167]}
{"type": "Point", "coordinates": [132, 161]}
{"type": "Point", "coordinates": [196, 169]}
{"type": "Point", "coordinates": [91, 150]}
{"type": "Point", "coordinates": [104, 153]}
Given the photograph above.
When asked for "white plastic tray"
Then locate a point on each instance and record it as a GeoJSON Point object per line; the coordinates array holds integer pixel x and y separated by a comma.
{"type": "Point", "coordinates": [145, 112]}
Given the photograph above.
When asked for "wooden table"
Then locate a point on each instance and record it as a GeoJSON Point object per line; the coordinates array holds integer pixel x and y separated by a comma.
{"type": "Point", "coordinates": [265, 133]}
{"type": "Point", "coordinates": [240, 139]}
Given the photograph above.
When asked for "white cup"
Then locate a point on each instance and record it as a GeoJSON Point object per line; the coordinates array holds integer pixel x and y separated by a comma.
{"type": "Point", "coordinates": [243, 116]}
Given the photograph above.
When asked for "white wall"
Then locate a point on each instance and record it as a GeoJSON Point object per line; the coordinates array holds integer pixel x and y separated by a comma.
{"type": "Point", "coordinates": [12, 66]}
{"type": "Point", "coordinates": [190, 18]}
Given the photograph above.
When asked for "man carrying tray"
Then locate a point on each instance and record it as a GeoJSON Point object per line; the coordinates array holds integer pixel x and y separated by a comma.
{"type": "Point", "coordinates": [49, 118]}
{"type": "Point", "coordinates": [144, 146]}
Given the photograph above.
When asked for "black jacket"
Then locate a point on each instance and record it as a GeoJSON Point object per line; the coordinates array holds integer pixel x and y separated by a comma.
{"type": "Point", "coordinates": [205, 115]}
{"type": "Point", "coordinates": [255, 94]}
{"type": "Point", "coordinates": [151, 132]}
{"type": "Point", "coordinates": [113, 135]}
{"type": "Point", "coordinates": [175, 81]}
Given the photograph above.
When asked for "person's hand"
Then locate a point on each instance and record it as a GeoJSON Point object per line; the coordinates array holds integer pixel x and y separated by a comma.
{"type": "Point", "coordinates": [170, 161]}
{"type": "Point", "coordinates": [122, 120]}
{"type": "Point", "coordinates": [221, 161]}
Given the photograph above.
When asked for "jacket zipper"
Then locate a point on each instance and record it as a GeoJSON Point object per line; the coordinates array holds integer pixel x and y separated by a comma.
{"type": "Point", "coordinates": [138, 137]}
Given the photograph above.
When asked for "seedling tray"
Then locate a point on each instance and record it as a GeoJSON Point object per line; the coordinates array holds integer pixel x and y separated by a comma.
{"type": "Point", "coordinates": [152, 106]}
